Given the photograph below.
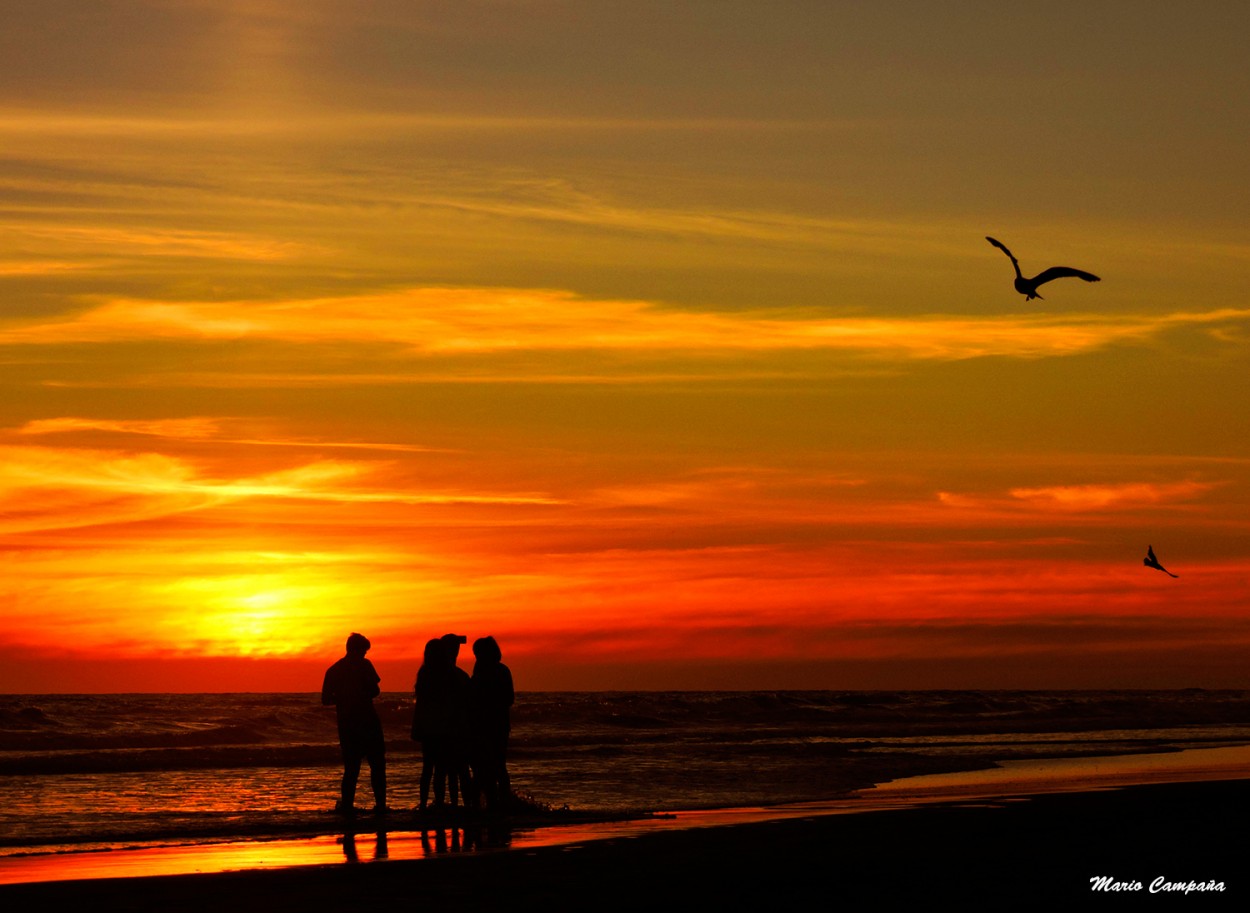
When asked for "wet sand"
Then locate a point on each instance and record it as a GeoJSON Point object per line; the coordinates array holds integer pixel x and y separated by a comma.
{"type": "Point", "coordinates": [1041, 832]}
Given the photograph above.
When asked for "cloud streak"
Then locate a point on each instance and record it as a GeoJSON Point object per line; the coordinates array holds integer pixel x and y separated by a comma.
{"type": "Point", "coordinates": [198, 429]}
{"type": "Point", "coordinates": [1124, 496]}
{"type": "Point", "coordinates": [1096, 499]}
{"type": "Point", "coordinates": [66, 488]}
{"type": "Point", "coordinates": [100, 239]}
{"type": "Point", "coordinates": [450, 321]}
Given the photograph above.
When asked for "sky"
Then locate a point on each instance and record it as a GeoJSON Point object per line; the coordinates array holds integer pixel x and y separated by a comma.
{"type": "Point", "coordinates": [660, 341]}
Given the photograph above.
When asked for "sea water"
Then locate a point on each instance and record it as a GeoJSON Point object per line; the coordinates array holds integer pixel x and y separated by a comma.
{"type": "Point", "coordinates": [88, 771]}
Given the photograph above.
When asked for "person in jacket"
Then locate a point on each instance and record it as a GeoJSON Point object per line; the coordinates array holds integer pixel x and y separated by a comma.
{"type": "Point", "coordinates": [492, 696]}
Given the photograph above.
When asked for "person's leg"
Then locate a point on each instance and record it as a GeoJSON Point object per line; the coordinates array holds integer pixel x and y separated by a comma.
{"type": "Point", "coordinates": [440, 775]}
{"type": "Point", "coordinates": [481, 781]}
{"type": "Point", "coordinates": [351, 773]}
{"type": "Point", "coordinates": [427, 773]}
{"type": "Point", "coordinates": [493, 787]}
{"type": "Point", "coordinates": [465, 778]}
{"type": "Point", "coordinates": [377, 774]}
{"type": "Point", "coordinates": [505, 781]}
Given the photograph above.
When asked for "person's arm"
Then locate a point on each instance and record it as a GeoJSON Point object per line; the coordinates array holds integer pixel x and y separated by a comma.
{"type": "Point", "coordinates": [328, 695]}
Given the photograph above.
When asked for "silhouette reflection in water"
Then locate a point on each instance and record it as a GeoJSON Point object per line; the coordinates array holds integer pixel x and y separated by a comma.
{"type": "Point", "coordinates": [439, 844]}
{"type": "Point", "coordinates": [438, 839]}
{"type": "Point", "coordinates": [380, 847]}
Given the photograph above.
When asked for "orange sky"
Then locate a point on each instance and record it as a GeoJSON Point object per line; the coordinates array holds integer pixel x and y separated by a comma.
{"type": "Point", "coordinates": [662, 343]}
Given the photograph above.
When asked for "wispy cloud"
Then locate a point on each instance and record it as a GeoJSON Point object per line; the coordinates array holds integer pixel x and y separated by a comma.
{"type": "Point", "coordinates": [458, 320]}
{"type": "Point", "coordinates": [72, 123]}
{"type": "Point", "coordinates": [43, 267]}
{"type": "Point", "coordinates": [184, 428]}
{"type": "Point", "coordinates": [59, 488]}
{"type": "Point", "coordinates": [1110, 497]}
{"type": "Point", "coordinates": [149, 242]}
{"type": "Point", "coordinates": [199, 429]}
{"type": "Point", "coordinates": [1084, 498]}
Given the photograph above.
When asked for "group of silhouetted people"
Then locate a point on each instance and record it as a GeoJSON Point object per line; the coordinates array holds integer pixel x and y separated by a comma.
{"type": "Point", "coordinates": [461, 721]}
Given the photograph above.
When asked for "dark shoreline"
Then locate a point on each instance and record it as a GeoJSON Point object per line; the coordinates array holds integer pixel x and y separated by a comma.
{"type": "Point", "coordinates": [1042, 848]}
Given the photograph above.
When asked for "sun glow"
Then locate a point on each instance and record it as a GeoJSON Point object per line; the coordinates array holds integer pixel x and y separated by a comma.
{"type": "Point", "coordinates": [282, 613]}
{"type": "Point", "coordinates": [328, 317]}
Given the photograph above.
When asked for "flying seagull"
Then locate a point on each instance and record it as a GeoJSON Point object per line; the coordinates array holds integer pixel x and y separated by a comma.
{"type": "Point", "coordinates": [1028, 287]}
{"type": "Point", "coordinates": [1151, 561]}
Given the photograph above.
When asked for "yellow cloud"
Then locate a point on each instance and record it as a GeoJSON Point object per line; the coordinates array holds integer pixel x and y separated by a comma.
{"type": "Point", "coordinates": [198, 429]}
{"type": "Point", "coordinates": [41, 267]}
{"type": "Point", "coordinates": [1116, 496]}
{"type": "Point", "coordinates": [1076, 499]}
{"type": "Point", "coordinates": [184, 428]}
{"type": "Point", "coordinates": [64, 488]}
{"type": "Point", "coordinates": [161, 243]}
{"type": "Point", "coordinates": [462, 320]}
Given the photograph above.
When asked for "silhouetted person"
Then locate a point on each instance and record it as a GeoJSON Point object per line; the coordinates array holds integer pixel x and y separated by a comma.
{"type": "Point", "coordinates": [439, 722]}
{"type": "Point", "coordinates": [431, 719]}
{"type": "Point", "coordinates": [458, 745]}
{"type": "Point", "coordinates": [350, 685]}
{"type": "Point", "coordinates": [492, 699]}
{"type": "Point", "coordinates": [1028, 287]}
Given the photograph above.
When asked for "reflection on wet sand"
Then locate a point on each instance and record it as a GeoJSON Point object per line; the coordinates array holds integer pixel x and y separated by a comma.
{"type": "Point", "coordinates": [471, 838]}
{"type": "Point", "coordinates": [352, 854]}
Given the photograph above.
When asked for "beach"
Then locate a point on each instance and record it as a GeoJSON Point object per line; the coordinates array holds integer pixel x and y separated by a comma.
{"type": "Point", "coordinates": [209, 802]}
{"type": "Point", "coordinates": [1055, 830]}
{"type": "Point", "coordinates": [1045, 848]}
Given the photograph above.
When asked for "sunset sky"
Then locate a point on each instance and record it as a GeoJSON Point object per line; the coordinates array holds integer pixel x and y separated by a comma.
{"type": "Point", "coordinates": [660, 341]}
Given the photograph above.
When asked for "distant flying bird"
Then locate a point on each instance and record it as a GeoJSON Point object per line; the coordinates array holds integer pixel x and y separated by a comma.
{"type": "Point", "coordinates": [1151, 561]}
{"type": "Point", "coordinates": [1028, 287]}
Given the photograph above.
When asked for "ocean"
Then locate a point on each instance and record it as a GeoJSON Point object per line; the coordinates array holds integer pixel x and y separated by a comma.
{"type": "Point", "coordinates": [105, 771]}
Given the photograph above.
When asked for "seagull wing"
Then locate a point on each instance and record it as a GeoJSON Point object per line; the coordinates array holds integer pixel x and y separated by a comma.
{"type": "Point", "coordinates": [1003, 247]}
{"type": "Point", "coordinates": [1061, 272]}
{"type": "Point", "coordinates": [1000, 245]}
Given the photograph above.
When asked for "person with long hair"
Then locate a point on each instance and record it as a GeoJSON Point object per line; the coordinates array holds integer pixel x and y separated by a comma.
{"type": "Point", "coordinates": [431, 722]}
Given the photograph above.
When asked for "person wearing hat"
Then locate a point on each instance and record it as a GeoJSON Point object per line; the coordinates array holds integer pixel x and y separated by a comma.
{"type": "Point", "coordinates": [350, 685]}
